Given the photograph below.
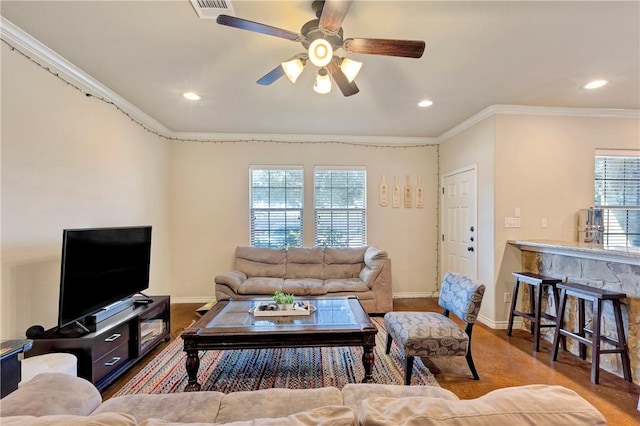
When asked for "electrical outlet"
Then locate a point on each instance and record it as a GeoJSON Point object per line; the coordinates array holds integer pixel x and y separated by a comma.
{"type": "Point", "coordinates": [512, 222]}
{"type": "Point", "coordinates": [543, 222]}
{"type": "Point", "coordinates": [507, 297]}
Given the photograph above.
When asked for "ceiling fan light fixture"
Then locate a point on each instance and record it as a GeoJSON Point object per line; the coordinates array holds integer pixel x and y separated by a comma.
{"type": "Point", "coordinates": [320, 52]}
{"type": "Point", "coordinates": [293, 69]}
{"type": "Point", "coordinates": [322, 84]}
{"type": "Point", "coordinates": [350, 68]}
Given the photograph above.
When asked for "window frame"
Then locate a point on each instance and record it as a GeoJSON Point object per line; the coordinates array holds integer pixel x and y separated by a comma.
{"type": "Point", "coordinates": [284, 212]}
{"type": "Point", "coordinates": [621, 220]}
{"type": "Point", "coordinates": [358, 240]}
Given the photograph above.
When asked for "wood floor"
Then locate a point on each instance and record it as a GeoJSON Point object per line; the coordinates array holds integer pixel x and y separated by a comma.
{"type": "Point", "coordinates": [501, 361]}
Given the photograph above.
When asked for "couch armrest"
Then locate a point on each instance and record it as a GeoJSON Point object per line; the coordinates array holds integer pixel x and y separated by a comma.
{"type": "Point", "coordinates": [52, 393]}
{"type": "Point", "coordinates": [374, 261]}
{"type": "Point", "coordinates": [231, 279]}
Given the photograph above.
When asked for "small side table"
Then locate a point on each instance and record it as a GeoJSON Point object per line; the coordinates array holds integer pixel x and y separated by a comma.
{"type": "Point", "coordinates": [10, 364]}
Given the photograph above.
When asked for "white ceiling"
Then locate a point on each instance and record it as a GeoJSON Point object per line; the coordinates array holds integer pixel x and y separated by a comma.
{"type": "Point", "coordinates": [478, 54]}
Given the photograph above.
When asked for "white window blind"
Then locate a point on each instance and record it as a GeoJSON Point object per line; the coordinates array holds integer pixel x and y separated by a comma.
{"type": "Point", "coordinates": [340, 213]}
{"type": "Point", "coordinates": [617, 192]}
{"type": "Point", "coordinates": [277, 200]}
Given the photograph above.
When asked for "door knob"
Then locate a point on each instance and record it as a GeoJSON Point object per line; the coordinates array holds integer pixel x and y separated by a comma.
{"type": "Point", "coordinates": [472, 229]}
{"type": "Point", "coordinates": [469, 248]}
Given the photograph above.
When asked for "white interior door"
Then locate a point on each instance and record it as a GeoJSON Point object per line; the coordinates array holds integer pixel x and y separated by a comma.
{"type": "Point", "coordinates": [459, 223]}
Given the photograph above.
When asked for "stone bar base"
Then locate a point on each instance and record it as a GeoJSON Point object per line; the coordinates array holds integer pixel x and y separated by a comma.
{"type": "Point", "coordinates": [609, 275]}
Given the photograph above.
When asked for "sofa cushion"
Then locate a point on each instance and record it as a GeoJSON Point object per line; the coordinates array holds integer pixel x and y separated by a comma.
{"type": "Point", "coordinates": [173, 407]}
{"type": "Point", "coordinates": [343, 262]}
{"type": "Point", "coordinates": [304, 287]}
{"type": "Point", "coordinates": [350, 285]}
{"type": "Point", "coordinates": [354, 393]}
{"type": "Point", "coordinates": [261, 285]}
{"type": "Point", "coordinates": [305, 262]}
{"type": "Point", "coordinates": [261, 261]}
{"type": "Point", "coordinates": [274, 403]}
{"type": "Point", "coordinates": [531, 405]}
{"type": "Point", "coordinates": [75, 396]}
{"type": "Point", "coordinates": [332, 415]}
{"type": "Point", "coordinates": [106, 419]}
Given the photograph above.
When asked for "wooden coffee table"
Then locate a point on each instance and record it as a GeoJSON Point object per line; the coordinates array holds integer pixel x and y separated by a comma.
{"type": "Point", "coordinates": [337, 321]}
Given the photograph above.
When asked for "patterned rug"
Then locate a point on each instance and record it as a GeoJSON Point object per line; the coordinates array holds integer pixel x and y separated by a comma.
{"type": "Point", "coordinates": [293, 368]}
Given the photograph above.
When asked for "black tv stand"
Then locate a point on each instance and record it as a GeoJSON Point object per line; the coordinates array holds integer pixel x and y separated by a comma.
{"type": "Point", "coordinates": [115, 344]}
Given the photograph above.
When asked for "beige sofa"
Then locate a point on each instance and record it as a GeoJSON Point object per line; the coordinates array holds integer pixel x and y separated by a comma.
{"type": "Point", "coordinates": [310, 271]}
{"type": "Point", "coordinates": [59, 399]}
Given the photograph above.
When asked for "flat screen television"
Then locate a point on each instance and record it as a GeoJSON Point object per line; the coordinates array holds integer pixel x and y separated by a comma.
{"type": "Point", "coordinates": [100, 267]}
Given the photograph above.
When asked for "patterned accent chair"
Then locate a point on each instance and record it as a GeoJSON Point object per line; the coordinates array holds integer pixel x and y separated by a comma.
{"type": "Point", "coordinates": [430, 334]}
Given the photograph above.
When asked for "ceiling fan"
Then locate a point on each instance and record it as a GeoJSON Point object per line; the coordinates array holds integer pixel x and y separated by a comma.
{"type": "Point", "coordinates": [321, 38]}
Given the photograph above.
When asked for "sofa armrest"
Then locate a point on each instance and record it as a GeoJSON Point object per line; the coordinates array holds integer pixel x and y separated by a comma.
{"type": "Point", "coordinates": [52, 393]}
{"type": "Point", "coordinates": [374, 261]}
{"type": "Point", "coordinates": [231, 279]}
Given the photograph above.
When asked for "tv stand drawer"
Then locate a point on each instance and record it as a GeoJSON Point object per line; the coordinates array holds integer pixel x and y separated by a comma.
{"type": "Point", "coordinates": [110, 362]}
{"type": "Point", "coordinates": [107, 342]}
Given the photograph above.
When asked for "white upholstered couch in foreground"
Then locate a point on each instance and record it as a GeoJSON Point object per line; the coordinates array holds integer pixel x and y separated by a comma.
{"type": "Point", "coordinates": [59, 399]}
{"type": "Point", "coordinates": [310, 271]}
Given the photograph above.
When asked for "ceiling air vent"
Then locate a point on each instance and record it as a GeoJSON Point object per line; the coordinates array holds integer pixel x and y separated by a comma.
{"type": "Point", "coordinates": [210, 9]}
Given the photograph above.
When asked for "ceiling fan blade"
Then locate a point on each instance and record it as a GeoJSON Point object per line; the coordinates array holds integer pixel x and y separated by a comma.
{"type": "Point", "coordinates": [379, 46]}
{"type": "Point", "coordinates": [333, 13]}
{"type": "Point", "coordinates": [245, 24]}
{"type": "Point", "coordinates": [271, 76]}
{"type": "Point", "coordinates": [341, 80]}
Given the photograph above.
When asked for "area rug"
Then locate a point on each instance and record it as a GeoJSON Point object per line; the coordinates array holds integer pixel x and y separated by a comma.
{"type": "Point", "coordinates": [292, 368]}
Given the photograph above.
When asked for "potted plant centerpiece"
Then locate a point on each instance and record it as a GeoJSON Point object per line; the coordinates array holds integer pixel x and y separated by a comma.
{"type": "Point", "coordinates": [283, 300]}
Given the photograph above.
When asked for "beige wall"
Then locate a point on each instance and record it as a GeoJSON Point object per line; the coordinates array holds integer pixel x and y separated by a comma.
{"type": "Point", "coordinates": [545, 166]}
{"type": "Point", "coordinates": [68, 161]}
{"type": "Point", "coordinates": [210, 198]}
{"type": "Point", "coordinates": [475, 147]}
{"type": "Point", "coordinates": [542, 164]}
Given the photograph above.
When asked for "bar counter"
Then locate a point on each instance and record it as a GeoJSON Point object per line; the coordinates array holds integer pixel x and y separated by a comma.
{"type": "Point", "coordinates": [629, 255]}
{"type": "Point", "coordinates": [611, 268]}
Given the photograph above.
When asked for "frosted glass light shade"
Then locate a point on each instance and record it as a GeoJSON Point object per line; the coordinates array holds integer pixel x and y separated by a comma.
{"type": "Point", "coordinates": [320, 52]}
{"type": "Point", "coordinates": [293, 69]}
{"type": "Point", "coordinates": [323, 82]}
{"type": "Point", "coordinates": [350, 68]}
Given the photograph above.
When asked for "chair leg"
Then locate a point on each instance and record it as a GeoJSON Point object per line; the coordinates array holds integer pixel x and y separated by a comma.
{"type": "Point", "coordinates": [559, 324]}
{"type": "Point", "coordinates": [622, 341]}
{"type": "Point", "coordinates": [472, 366]}
{"type": "Point", "coordinates": [514, 302]}
{"type": "Point", "coordinates": [408, 369]}
{"type": "Point", "coordinates": [388, 348]}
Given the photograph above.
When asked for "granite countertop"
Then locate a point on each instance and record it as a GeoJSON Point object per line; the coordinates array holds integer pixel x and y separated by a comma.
{"type": "Point", "coordinates": [569, 248]}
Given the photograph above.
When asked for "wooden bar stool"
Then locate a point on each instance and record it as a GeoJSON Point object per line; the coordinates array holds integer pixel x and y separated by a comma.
{"type": "Point", "coordinates": [596, 296]}
{"type": "Point", "coordinates": [535, 315]}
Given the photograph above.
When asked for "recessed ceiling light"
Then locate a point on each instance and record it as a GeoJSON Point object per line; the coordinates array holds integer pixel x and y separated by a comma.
{"type": "Point", "coordinates": [595, 84]}
{"type": "Point", "coordinates": [425, 103]}
{"type": "Point", "coordinates": [191, 96]}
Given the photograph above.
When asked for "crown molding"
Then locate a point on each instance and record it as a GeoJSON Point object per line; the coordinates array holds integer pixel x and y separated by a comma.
{"type": "Point", "coordinates": [47, 58]}
{"type": "Point", "coordinates": [540, 111]}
